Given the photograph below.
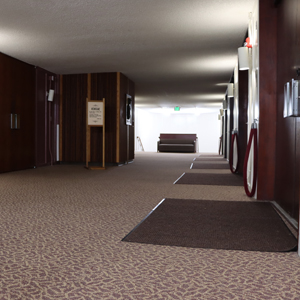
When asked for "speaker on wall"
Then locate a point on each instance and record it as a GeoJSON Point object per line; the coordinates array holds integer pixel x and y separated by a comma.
{"type": "Point", "coordinates": [128, 110]}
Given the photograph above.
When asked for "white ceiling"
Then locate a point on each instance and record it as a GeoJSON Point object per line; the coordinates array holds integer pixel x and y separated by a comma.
{"type": "Point", "coordinates": [177, 52]}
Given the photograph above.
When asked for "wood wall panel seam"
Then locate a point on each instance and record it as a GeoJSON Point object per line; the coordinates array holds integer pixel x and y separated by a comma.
{"type": "Point", "coordinates": [89, 86]}
{"type": "Point", "coordinates": [118, 120]}
{"type": "Point", "coordinates": [103, 135]}
{"type": "Point", "coordinates": [88, 129]}
{"type": "Point", "coordinates": [61, 119]}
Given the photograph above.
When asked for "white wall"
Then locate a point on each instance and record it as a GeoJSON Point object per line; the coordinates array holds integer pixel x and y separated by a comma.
{"type": "Point", "coordinates": [149, 125]}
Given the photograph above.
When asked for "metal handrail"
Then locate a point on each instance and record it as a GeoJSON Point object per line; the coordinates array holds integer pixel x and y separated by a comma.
{"type": "Point", "coordinates": [140, 141]}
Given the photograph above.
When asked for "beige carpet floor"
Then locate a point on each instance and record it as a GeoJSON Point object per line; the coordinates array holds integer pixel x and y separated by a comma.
{"type": "Point", "coordinates": [61, 229]}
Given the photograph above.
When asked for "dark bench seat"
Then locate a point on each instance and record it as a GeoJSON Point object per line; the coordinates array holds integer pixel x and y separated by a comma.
{"type": "Point", "coordinates": [177, 143]}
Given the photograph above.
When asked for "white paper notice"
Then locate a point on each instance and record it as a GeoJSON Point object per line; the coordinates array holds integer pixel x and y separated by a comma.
{"type": "Point", "coordinates": [95, 113]}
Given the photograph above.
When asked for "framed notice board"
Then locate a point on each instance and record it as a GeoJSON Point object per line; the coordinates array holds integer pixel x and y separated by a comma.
{"type": "Point", "coordinates": [95, 113]}
{"type": "Point", "coordinates": [95, 117]}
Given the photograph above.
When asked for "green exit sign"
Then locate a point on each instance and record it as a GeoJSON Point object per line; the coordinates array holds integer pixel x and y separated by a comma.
{"type": "Point", "coordinates": [177, 108]}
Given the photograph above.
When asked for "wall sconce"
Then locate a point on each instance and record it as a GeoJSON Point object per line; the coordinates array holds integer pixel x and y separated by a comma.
{"type": "Point", "coordinates": [243, 54]}
{"type": "Point", "coordinates": [291, 99]}
{"type": "Point", "coordinates": [225, 104]}
{"type": "Point", "coordinates": [230, 91]}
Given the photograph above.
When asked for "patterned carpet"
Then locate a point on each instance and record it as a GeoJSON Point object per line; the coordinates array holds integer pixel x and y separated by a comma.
{"type": "Point", "coordinates": [61, 229]}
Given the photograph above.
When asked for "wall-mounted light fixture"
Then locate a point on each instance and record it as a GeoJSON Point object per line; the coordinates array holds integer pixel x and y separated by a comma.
{"type": "Point", "coordinates": [291, 99]}
{"type": "Point", "coordinates": [225, 104]}
{"type": "Point", "coordinates": [244, 62]}
{"type": "Point", "coordinates": [230, 90]}
{"type": "Point", "coordinates": [244, 55]}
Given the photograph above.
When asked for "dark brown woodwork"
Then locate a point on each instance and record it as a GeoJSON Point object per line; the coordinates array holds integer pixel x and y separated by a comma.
{"type": "Point", "coordinates": [17, 80]}
{"type": "Point", "coordinates": [74, 94]}
{"type": "Point", "coordinates": [243, 118]}
{"type": "Point", "coordinates": [231, 114]}
{"type": "Point", "coordinates": [47, 117]}
{"type": "Point", "coordinates": [288, 129]}
{"type": "Point", "coordinates": [131, 91]}
{"type": "Point", "coordinates": [225, 133]}
{"type": "Point", "coordinates": [122, 124]}
{"type": "Point", "coordinates": [267, 99]}
{"type": "Point", "coordinates": [126, 138]}
{"type": "Point", "coordinates": [103, 85]}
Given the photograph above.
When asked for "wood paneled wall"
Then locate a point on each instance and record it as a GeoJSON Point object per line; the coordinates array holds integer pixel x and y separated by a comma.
{"type": "Point", "coordinates": [267, 99]}
{"type": "Point", "coordinates": [111, 86]}
{"type": "Point", "coordinates": [103, 85]}
{"type": "Point", "coordinates": [231, 115]}
{"type": "Point", "coordinates": [243, 118]}
{"type": "Point", "coordinates": [74, 93]}
{"type": "Point", "coordinates": [279, 138]}
{"type": "Point", "coordinates": [225, 134]}
{"type": "Point", "coordinates": [126, 148]}
{"type": "Point", "coordinates": [17, 96]}
{"type": "Point", "coordinates": [288, 129]}
{"type": "Point", "coordinates": [47, 117]}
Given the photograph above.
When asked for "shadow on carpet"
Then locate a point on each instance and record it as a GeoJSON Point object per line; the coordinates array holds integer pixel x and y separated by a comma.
{"type": "Point", "coordinates": [210, 179]}
{"type": "Point", "coordinates": [228, 225]}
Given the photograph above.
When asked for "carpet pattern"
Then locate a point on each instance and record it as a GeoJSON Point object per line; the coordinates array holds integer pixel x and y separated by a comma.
{"type": "Point", "coordinates": [61, 229]}
{"type": "Point", "coordinates": [229, 225]}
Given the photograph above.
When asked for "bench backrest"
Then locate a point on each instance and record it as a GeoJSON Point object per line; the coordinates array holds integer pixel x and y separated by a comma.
{"type": "Point", "coordinates": [180, 136]}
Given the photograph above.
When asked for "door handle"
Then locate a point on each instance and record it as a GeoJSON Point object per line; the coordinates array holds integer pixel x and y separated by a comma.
{"type": "Point", "coordinates": [17, 119]}
{"type": "Point", "coordinates": [14, 121]}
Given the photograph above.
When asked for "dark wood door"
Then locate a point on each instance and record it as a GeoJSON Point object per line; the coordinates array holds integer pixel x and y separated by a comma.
{"type": "Point", "coordinates": [18, 98]}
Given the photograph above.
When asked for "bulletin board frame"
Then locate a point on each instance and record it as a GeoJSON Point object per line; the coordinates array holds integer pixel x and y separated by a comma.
{"type": "Point", "coordinates": [95, 117]}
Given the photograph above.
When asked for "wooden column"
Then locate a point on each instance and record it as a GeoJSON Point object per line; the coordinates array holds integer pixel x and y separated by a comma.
{"type": "Point", "coordinates": [267, 100]}
{"type": "Point", "coordinates": [88, 133]}
{"type": "Point", "coordinates": [89, 125]}
{"type": "Point", "coordinates": [118, 120]}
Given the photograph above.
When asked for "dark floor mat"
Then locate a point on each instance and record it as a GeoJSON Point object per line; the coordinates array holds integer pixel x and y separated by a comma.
{"type": "Point", "coordinates": [230, 225]}
{"type": "Point", "coordinates": [205, 165]}
{"type": "Point", "coordinates": [210, 179]}
{"type": "Point", "coordinates": [214, 159]}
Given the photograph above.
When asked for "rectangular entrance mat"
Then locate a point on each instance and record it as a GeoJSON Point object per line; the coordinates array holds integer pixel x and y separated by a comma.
{"type": "Point", "coordinates": [207, 165]}
{"type": "Point", "coordinates": [210, 179]}
{"type": "Point", "coordinates": [215, 159]}
{"type": "Point", "coordinates": [228, 225]}
{"type": "Point", "coordinates": [210, 155]}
